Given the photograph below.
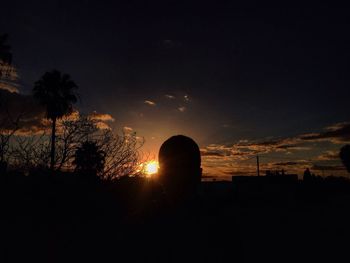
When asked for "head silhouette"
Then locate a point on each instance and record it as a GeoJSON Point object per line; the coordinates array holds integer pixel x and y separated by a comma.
{"type": "Point", "coordinates": [179, 165]}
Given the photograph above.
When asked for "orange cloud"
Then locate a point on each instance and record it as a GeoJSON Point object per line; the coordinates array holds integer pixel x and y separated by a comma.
{"type": "Point", "coordinates": [327, 156]}
{"type": "Point", "coordinates": [101, 117]}
{"type": "Point", "coordinates": [9, 87]}
{"type": "Point", "coordinates": [127, 129]}
{"type": "Point", "coordinates": [8, 72]}
{"type": "Point", "coordinates": [239, 158]}
{"type": "Point", "coordinates": [149, 102]}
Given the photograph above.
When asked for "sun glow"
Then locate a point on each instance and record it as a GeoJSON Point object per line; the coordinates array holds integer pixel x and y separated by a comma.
{"type": "Point", "coordinates": [151, 167]}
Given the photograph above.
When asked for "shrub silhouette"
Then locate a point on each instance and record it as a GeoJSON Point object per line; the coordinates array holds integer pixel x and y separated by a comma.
{"type": "Point", "coordinates": [344, 155]}
{"type": "Point", "coordinates": [89, 159]}
{"type": "Point", "coordinates": [56, 92]}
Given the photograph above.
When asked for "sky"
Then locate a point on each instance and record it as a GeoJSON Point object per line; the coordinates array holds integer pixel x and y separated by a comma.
{"type": "Point", "coordinates": [240, 79]}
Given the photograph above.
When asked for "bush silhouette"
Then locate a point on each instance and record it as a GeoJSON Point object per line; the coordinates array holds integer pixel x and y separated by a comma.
{"type": "Point", "coordinates": [89, 159]}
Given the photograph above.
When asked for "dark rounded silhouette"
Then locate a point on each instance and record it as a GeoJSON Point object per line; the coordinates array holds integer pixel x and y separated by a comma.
{"type": "Point", "coordinates": [179, 166]}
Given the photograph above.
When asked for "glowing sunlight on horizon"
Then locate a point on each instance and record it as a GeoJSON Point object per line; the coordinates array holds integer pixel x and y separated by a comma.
{"type": "Point", "coordinates": [151, 168]}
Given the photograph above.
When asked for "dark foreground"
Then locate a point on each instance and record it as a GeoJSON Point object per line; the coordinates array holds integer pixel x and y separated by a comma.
{"type": "Point", "coordinates": [65, 219]}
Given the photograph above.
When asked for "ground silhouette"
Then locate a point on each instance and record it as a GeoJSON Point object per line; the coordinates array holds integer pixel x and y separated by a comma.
{"type": "Point", "coordinates": [61, 217]}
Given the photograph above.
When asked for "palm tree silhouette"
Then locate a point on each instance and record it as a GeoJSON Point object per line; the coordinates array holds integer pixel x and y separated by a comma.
{"type": "Point", "coordinates": [5, 54]}
{"type": "Point", "coordinates": [5, 50]}
{"type": "Point", "coordinates": [56, 92]}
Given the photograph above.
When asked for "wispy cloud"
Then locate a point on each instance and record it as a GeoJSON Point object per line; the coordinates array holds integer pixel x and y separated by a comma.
{"type": "Point", "coordinates": [150, 103]}
{"type": "Point", "coordinates": [328, 156]}
{"type": "Point", "coordinates": [101, 117]}
{"type": "Point", "coordinates": [182, 109]}
{"type": "Point", "coordinates": [278, 153]}
{"type": "Point", "coordinates": [205, 152]}
{"type": "Point", "coordinates": [338, 133]}
{"type": "Point", "coordinates": [168, 96]}
{"type": "Point", "coordinates": [272, 145]}
{"type": "Point", "coordinates": [292, 163]}
{"type": "Point", "coordinates": [8, 72]}
{"type": "Point", "coordinates": [103, 126]}
{"type": "Point", "coordinates": [20, 107]}
{"type": "Point", "coordinates": [127, 129]}
{"type": "Point", "coordinates": [328, 167]}
{"type": "Point", "coordinates": [31, 116]}
{"type": "Point", "coordinates": [245, 149]}
{"type": "Point", "coordinates": [9, 87]}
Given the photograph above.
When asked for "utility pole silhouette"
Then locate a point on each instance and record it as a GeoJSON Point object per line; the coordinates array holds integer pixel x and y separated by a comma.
{"type": "Point", "coordinates": [257, 165]}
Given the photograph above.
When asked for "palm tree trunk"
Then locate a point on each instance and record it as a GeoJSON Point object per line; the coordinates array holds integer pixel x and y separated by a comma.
{"type": "Point", "coordinates": [53, 142]}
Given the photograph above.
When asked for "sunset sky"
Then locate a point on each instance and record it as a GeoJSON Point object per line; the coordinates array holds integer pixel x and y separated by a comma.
{"type": "Point", "coordinates": [240, 80]}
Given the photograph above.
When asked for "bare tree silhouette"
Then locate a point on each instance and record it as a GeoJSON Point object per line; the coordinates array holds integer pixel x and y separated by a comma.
{"type": "Point", "coordinates": [8, 128]}
{"type": "Point", "coordinates": [30, 152]}
{"type": "Point", "coordinates": [123, 155]}
{"type": "Point", "coordinates": [344, 155]}
{"type": "Point", "coordinates": [9, 122]}
{"type": "Point", "coordinates": [122, 151]}
{"type": "Point", "coordinates": [72, 132]}
{"type": "Point", "coordinates": [56, 92]}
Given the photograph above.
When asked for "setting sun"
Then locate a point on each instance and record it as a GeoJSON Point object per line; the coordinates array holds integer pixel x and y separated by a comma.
{"type": "Point", "coordinates": [151, 167]}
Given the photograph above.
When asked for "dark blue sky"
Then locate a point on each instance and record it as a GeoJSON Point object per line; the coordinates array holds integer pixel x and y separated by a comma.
{"type": "Point", "coordinates": [249, 72]}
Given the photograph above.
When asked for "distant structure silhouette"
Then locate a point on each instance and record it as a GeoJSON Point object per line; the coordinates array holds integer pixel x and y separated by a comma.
{"type": "Point", "coordinates": [179, 166]}
{"type": "Point", "coordinates": [307, 174]}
